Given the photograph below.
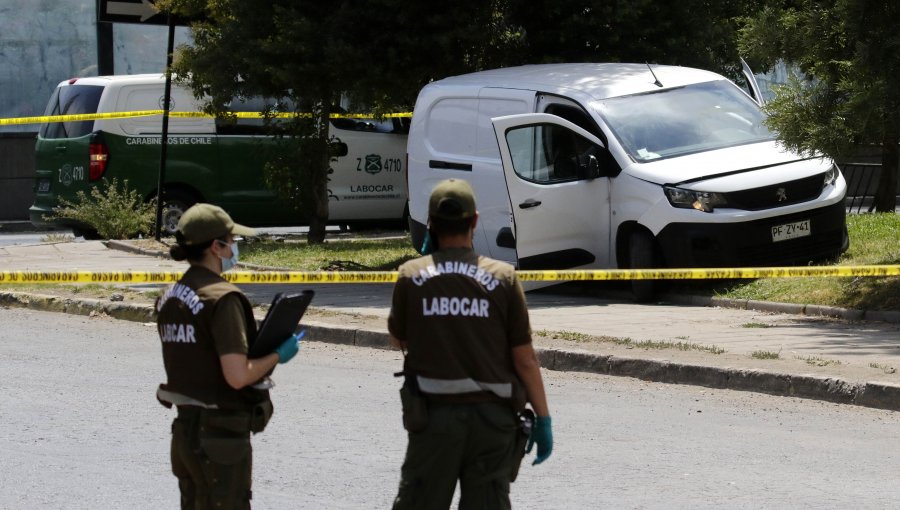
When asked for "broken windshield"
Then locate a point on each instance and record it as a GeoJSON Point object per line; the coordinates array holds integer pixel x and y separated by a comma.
{"type": "Point", "coordinates": [685, 120]}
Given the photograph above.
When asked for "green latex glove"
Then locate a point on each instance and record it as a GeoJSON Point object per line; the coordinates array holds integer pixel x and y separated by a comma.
{"type": "Point", "coordinates": [542, 435]}
{"type": "Point", "coordinates": [288, 349]}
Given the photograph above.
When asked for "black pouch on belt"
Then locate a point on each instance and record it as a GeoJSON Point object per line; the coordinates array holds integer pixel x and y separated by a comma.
{"type": "Point", "coordinates": [260, 415]}
{"type": "Point", "coordinates": [415, 405]}
{"type": "Point", "coordinates": [526, 425]}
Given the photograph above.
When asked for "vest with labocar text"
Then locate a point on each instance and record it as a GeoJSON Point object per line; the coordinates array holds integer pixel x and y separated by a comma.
{"type": "Point", "coordinates": [184, 322]}
{"type": "Point", "coordinates": [461, 315]}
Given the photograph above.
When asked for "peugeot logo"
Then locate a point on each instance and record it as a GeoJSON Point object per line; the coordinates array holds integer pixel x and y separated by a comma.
{"type": "Point", "coordinates": [780, 195]}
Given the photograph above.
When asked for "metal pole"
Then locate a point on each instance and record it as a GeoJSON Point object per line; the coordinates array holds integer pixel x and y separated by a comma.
{"type": "Point", "coordinates": [105, 60]}
{"type": "Point", "coordinates": [164, 140]}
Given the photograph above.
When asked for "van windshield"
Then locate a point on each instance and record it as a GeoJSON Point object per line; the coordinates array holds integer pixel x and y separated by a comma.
{"type": "Point", "coordinates": [71, 100]}
{"type": "Point", "coordinates": [685, 120]}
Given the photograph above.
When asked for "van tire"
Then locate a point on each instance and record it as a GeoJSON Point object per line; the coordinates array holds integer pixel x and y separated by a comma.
{"type": "Point", "coordinates": [175, 204]}
{"type": "Point", "coordinates": [88, 234]}
{"type": "Point", "coordinates": [641, 255]}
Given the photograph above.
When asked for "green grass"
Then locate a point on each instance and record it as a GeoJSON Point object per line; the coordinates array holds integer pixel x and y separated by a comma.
{"type": "Point", "coordinates": [87, 290]}
{"type": "Point", "coordinates": [679, 346]}
{"type": "Point", "coordinates": [333, 255]}
{"type": "Point", "coordinates": [574, 336]}
{"type": "Point", "coordinates": [885, 368]}
{"type": "Point", "coordinates": [765, 355]}
{"type": "Point", "coordinates": [57, 238]}
{"type": "Point", "coordinates": [759, 325]}
{"type": "Point", "coordinates": [819, 362]}
{"type": "Point", "coordinates": [874, 239]}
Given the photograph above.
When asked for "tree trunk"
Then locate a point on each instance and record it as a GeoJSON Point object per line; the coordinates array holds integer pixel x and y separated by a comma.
{"type": "Point", "coordinates": [318, 220]}
{"type": "Point", "coordinates": [886, 194]}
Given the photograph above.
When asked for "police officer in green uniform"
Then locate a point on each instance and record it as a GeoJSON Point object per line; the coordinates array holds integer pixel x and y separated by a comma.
{"type": "Point", "coordinates": [462, 322]}
{"type": "Point", "coordinates": [204, 324]}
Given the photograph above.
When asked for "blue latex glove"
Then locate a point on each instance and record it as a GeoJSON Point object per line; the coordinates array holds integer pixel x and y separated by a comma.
{"type": "Point", "coordinates": [288, 349]}
{"type": "Point", "coordinates": [542, 435]}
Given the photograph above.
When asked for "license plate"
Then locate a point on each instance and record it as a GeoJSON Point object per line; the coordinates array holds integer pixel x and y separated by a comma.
{"type": "Point", "coordinates": [43, 186]}
{"type": "Point", "coordinates": [790, 231]}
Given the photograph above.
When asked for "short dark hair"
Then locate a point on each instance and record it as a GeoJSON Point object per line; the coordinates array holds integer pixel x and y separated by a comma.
{"type": "Point", "coordinates": [189, 252]}
{"type": "Point", "coordinates": [440, 226]}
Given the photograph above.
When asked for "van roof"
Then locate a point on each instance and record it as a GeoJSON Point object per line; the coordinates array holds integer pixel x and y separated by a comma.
{"type": "Point", "coordinates": [120, 79]}
{"type": "Point", "coordinates": [599, 81]}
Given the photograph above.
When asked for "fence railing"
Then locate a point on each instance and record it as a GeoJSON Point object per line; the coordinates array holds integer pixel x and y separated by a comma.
{"type": "Point", "coordinates": [862, 181]}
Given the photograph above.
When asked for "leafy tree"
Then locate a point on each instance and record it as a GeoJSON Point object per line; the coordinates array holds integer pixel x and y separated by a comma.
{"type": "Point", "coordinates": [696, 33]}
{"type": "Point", "coordinates": [379, 52]}
{"type": "Point", "coordinates": [850, 52]}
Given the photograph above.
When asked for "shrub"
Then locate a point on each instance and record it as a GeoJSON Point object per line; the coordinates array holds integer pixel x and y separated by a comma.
{"type": "Point", "coordinates": [114, 213]}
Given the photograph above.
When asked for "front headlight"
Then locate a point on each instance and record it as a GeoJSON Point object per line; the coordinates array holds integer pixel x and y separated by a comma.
{"type": "Point", "coordinates": [831, 175]}
{"type": "Point", "coordinates": [704, 201]}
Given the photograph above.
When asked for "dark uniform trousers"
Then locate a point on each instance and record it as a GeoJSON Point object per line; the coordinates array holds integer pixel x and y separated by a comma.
{"type": "Point", "coordinates": [473, 443]}
{"type": "Point", "coordinates": [212, 458]}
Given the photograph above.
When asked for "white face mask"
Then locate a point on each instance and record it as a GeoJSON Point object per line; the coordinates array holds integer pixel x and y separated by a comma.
{"type": "Point", "coordinates": [229, 263]}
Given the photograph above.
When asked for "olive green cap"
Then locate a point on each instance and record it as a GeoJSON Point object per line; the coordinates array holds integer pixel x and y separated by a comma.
{"type": "Point", "coordinates": [205, 222]}
{"type": "Point", "coordinates": [452, 199]}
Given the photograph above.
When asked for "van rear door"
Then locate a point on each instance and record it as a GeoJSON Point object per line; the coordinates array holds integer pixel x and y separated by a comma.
{"type": "Point", "coordinates": [559, 200]}
{"type": "Point", "coordinates": [62, 150]}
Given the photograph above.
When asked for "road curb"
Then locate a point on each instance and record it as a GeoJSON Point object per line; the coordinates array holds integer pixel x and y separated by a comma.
{"type": "Point", "coordinates": [834, 312]}
{"type": "Point", "coordinates": [868, 394]}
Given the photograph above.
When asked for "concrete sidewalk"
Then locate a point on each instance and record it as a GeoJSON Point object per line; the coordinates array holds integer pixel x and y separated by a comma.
{"type": "Point", "coordinates": [849, 361]}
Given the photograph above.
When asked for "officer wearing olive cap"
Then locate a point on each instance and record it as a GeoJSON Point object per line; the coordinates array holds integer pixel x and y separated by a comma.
{"type": "Point", "coordinates": [204, 325]}
{"type": "Point", "coordinates": [462, 323]}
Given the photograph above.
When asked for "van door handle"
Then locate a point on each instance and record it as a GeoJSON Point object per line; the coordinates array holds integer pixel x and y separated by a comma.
{"type": "Point", "coordinates": [528, 204]}
{"type": "Point", "coordinates": [61, 148]}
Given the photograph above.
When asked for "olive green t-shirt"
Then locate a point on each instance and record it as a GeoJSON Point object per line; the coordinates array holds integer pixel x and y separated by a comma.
{"type": "Point", "coordinates": [229, 329]}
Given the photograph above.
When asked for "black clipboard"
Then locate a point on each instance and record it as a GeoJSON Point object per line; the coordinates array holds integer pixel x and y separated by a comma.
{"type": "Point", "coordinates": [280, 322]}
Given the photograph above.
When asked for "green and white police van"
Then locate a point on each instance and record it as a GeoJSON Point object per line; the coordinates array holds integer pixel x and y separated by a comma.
{"type": "Point", "coordinates": [207, 160]}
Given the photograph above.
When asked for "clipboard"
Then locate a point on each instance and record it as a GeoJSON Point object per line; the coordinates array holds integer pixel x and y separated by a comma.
{"type": "Point", "coordinates": [280, 322]}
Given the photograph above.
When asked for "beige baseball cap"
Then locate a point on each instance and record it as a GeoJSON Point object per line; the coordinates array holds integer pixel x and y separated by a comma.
{"type": "Point", "coordinates": [452, 199]}
{"type": "Point", "coordinates": [205, 222]}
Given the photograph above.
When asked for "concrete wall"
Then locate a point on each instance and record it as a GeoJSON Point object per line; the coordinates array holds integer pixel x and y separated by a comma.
{"type": "Point", "coordinates": [16, 175]}
{"type": "Point", "coordinates": [43, 42]}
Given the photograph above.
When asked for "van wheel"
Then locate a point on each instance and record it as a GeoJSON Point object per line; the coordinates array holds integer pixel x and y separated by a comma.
{"type": "Point", "coordinates": [641, 255]}
{"type": "Point", "coordinates": [174, 206]}
{"type": "Point", "coordinates": [88, 234]}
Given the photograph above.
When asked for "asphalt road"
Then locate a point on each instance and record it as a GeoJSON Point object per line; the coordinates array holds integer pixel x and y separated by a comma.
{"type": "Point", "coordinates": [81, 429]}
{"type": "Point", "coordinates": [15, 239]}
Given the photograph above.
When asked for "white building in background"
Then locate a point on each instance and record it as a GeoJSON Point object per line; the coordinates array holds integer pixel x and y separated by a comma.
{"type": "Point", "coordinates": [43, 42]}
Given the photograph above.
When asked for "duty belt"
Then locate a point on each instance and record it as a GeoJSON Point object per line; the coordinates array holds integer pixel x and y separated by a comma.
{"type": "Point", "coordinates": [461, 386]}
{"type": "Point", "coordinates": [177, 399]}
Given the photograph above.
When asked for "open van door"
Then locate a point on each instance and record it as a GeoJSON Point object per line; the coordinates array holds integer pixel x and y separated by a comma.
{"type": "Point", "coordinates": [559, 195]}
{"type": "Point", "coordinates": [752, 83]}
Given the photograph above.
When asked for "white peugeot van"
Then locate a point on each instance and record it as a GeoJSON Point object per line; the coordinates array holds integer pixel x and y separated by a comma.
{"type": "Point", "coordinates": [622, 165]}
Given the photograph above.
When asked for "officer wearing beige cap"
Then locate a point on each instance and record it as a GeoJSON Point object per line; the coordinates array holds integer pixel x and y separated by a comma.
{"type": "Point", "coordinates": [204, 325]}
{"type": "Point", "coordinates": [462, 323]}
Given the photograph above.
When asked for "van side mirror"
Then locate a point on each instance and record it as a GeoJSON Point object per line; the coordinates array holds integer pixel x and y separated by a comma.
{"type": "Point", "coordinates": [589, 169]}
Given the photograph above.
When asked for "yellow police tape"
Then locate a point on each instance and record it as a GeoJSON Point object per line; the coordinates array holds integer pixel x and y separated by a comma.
{"type": "Point", "coordinates": [78, 117]}
{"type": "Point", "coordinates": [146, 113]}
{"type": "Point", "coordinates": [23, 277]}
